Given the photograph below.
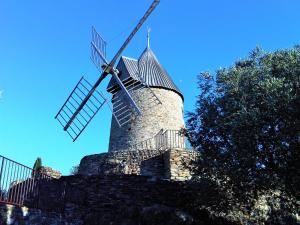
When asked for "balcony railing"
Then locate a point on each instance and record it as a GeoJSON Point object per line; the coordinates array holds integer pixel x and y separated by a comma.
{"type": "Point", "coordinates": [170, 139]}
{"type": "Point", "coordinates": [162, 141]}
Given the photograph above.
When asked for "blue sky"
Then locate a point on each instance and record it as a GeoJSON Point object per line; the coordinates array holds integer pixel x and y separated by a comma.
{"type": "Point", "coordinates": [44, 50]}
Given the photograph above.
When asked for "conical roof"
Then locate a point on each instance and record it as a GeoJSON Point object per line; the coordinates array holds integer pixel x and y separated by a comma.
{"type": "Point", "coordinates": [147, 69]}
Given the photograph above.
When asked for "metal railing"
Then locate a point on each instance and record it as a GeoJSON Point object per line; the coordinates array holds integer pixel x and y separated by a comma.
{"type": "Point", "coordinates": [18, 182]}
{"type": "Point", "coordinates": [163, 140]}
{"type": "Point", "coordinates": [170, 139]}
{"type": "Point", "coordinates": [146, 144]}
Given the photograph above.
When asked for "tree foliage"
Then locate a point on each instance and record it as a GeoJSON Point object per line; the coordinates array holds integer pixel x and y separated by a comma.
{"type": "Point", "coordinates": [247, 121]}
{"type": "Point", "coordinates": [37, 164]}
{"type": "Point", "coordinates": [36, 167]}
{"type": "Point", "coordinates": [74, 170]}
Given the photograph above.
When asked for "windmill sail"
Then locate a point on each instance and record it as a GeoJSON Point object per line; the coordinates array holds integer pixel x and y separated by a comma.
{"type": "Point", "coordinates": [90, 109]}
{"type": "Point", "coordinates": [98, 45]}
{"type": "Point", "coordinates": [122, 111]}
{"type": "Point", "coordinates": [98, 50]}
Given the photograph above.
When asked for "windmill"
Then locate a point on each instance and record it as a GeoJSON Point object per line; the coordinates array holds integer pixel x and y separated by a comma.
{"type": "Point", "coordinates": [85, 100]}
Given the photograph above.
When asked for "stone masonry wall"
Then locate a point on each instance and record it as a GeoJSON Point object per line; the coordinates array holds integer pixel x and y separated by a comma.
{"type": "Point", "coordinates": [143, 162]}
{"type": "Point", "coordinates": [138, 200]}
{"type": "Point", "coordinates": [15, 215]}
{"type": "Point", "coordinates": [180, 164]}
{"type": "Point", "coordinates": [167, 116]}
{"type": "Point", "coordinates": [50, 172]}
{"type": "Point", "coordinates": [174, 164]}
{"type": "Point", "coordinates": [113, 200]}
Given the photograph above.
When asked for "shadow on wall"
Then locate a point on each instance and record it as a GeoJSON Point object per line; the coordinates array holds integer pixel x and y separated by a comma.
{"type": "Point", "coordinates": [153, 167]}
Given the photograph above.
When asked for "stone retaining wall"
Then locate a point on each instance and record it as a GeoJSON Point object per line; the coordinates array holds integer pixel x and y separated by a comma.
{"type": "Point", "coordinates": [180, 164]}
{"type": "Point", "coordinates": [15, 215]}
{"type": "Point", "coordinates": [113, 200]}
{"type": "Point", "coordinates": [138, 200]}
{"type": "Point", "coordinates": [173, 164]}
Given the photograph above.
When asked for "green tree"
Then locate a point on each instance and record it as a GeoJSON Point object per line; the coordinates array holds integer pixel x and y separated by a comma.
{"type": "Point", "coordinates": [247, 121]}
{"type": "Point", "coordinates": [37, 166]}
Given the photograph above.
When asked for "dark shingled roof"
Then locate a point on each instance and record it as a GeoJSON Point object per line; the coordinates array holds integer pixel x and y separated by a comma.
{"type": "Point", "coordinates": [148, 69]}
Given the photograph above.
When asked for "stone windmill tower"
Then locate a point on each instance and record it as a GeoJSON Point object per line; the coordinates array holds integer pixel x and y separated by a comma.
{"type": "Point", "coordinates": [165, 155]}
{"type": "Point", "coordinates": [147, 107]}
{"type": "Point", "coordinates": [168, 115]}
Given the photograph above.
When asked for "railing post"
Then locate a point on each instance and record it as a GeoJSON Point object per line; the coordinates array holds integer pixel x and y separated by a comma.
{"type": "Point", "coordinates": [1, 170]}
{"type": "Point", "coordinates": [166, 140]}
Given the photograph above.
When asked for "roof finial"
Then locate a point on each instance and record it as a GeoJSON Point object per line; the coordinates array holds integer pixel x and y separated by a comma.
{"type": "Point", "coordinates": [148, 37]}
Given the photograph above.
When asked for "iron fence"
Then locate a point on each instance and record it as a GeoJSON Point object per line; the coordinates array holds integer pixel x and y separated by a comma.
{"type": "Point", "coordinates": [147, 144]}
{"type": "Point", "coordinates": [163, 140]}
{"type": "Point", "coordinates": [170, 139]}
{"type": "Point", "coordinates": [18, 182]}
